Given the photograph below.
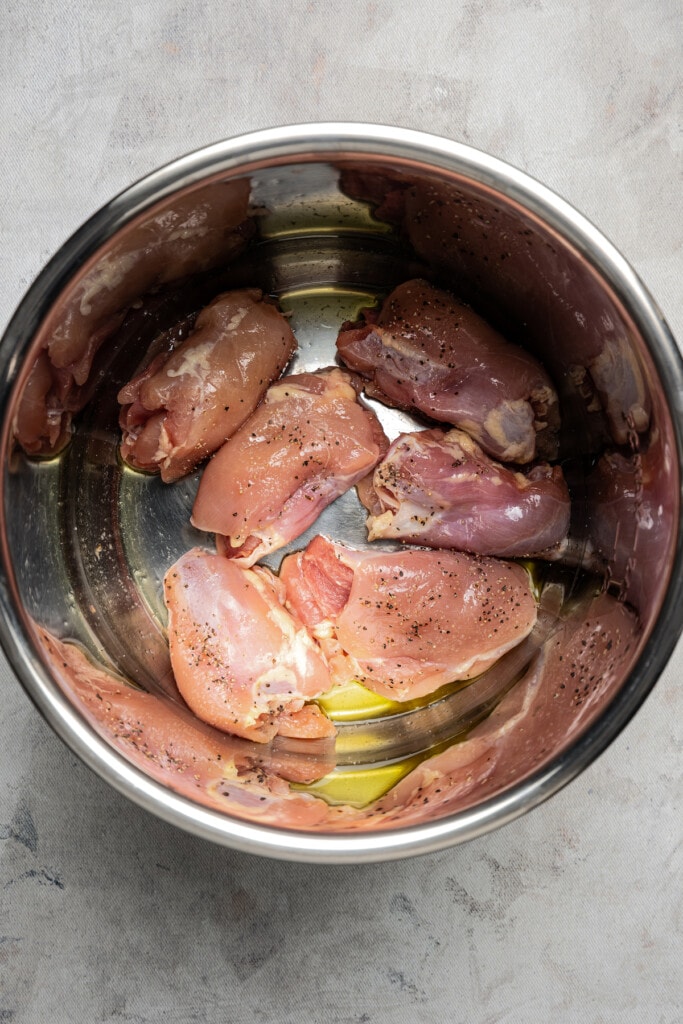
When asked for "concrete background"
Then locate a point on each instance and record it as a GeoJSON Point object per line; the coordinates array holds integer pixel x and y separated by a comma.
{"type": "Point", "coordinates": [570, 914]}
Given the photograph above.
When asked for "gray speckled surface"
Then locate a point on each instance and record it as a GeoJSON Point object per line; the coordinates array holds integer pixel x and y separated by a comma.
{"type": "Point", "coordinates": [573, 913]}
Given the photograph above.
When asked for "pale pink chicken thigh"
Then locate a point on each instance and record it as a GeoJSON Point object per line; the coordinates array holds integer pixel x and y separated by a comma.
{"type": "Point", "coordinates": [405, 624]}
{"type": "Point", "coordinates": [169, 743]}
{"type": "Point", "coordinates": [186, 404]}
{"type": "Point", "coordinates": [572, 680]}
{"type": "Point", "coordinates": [438, 488]}
{"type": "Point", "coordinates": [242, 662]}
{"type": "Point", "coordinates": [183, 236]}
{"type": "Point", "coordinates": [310, 441]}
{"type": "Point", "coordinates": [427, 351]}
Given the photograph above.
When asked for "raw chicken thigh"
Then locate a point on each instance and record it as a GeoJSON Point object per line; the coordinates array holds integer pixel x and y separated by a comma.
{"type": "Point", "coordinates": [186, 404]}
{"type": "Point", "coordinates": [167, 741]}
{"type": "Point", "coordinates": [439, 489]}
{"type": "Point", "coordinates": [471, 239]}
{"type": "Point", "coordinates": [308, 442]}
{"type": "Point", "coordinates": [427, 351]}
{"type": "Point", "coordinates": [527, 270]}
{"type": "Point", "coordinates": [572, 681]}
{"type": "Point", "coordinates": [182, 236]}
{"type": "Point", "coordinates": [242, 662]}
{"type": "Point", "coordinates": [405, 624]}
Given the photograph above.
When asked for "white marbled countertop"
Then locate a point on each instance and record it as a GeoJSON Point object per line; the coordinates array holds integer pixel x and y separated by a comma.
{"type": "Point", "coordinates": [574, 912]}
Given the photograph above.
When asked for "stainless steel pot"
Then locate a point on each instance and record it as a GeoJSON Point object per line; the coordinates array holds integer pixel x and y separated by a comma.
{"type": "Point", "coordinates": [338, 214]}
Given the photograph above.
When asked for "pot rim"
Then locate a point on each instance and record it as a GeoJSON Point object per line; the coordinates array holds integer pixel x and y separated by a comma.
{"type": "Point", "coordinates": [334, 141]}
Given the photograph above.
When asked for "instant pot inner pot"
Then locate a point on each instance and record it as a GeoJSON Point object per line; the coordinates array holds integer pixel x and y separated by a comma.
{"type": "Point", "coordinates": [91, 539]}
